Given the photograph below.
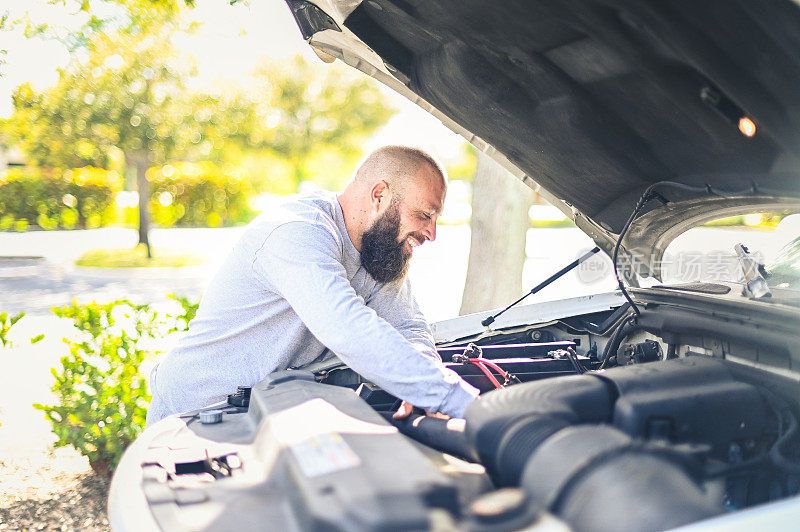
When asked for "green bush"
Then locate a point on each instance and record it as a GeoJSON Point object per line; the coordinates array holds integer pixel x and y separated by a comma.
{"type": "Point", "coordinates": [52, 198]}
{"type": "Point", "coordinates": [102, 397]}
{"type": "Point", "coordinates": [6, 322]}
{"type": "Point", "coordinates": [188, 312]}
{"type": "Point", "coordinates": [199, 194]}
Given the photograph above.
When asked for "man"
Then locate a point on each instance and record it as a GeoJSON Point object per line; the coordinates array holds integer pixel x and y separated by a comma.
{"type": "Point", "coordinates": [323, 273]}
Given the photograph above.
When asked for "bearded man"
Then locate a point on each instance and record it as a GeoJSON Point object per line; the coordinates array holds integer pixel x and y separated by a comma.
{"type": "Point", "coordinates": [323, 274]}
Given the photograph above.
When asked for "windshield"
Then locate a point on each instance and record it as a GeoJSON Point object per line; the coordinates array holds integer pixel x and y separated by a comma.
{"type": "Point", "coordinates": [785, 269]}
{"type": "Point", "coordinates": [706, 253]}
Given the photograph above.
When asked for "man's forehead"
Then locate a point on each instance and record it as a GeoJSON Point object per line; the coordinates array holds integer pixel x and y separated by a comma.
{"type": "Point", "coordinates": [430, 181]}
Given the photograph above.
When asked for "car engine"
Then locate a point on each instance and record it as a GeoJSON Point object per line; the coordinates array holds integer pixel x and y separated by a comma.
{"type": "Point", "coordinates": [682, 415]}
{"type": "Point", "coordinates": [653, 431]}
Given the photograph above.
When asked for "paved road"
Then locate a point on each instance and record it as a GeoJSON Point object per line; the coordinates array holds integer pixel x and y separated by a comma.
{"type": "Point", "coordinates": [36, 285]}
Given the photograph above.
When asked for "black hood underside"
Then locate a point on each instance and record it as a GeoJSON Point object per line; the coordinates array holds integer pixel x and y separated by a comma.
{"type": "Point", "coordinates": [597, 99]}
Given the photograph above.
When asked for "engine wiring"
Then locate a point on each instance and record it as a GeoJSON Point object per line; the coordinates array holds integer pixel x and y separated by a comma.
{"type": "Point", "coordinates": [473, 354]}
{"type": "Point", "coordinates": [785, 433]}
{"type": "Point", "coordinates": [649, 194]}
{"type": "Point", "coordinates": [479, 363]}
{"type": "Point", "coordinates": [573, 356]}
{"type": "Point", "coordinates": [623, 321]}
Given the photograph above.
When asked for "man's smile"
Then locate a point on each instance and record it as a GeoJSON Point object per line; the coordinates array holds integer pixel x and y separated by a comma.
{"type": "Point", "coordinates": [412, 241]}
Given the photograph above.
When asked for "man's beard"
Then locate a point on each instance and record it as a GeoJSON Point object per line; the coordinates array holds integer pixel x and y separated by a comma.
{"type": "Point", "coordinates": [382, 253]}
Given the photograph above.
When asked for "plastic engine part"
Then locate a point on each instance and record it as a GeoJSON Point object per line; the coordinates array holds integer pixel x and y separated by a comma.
{"type": "Point", "coordinates": [686, 400]}
{"type": "Point", "coordinates": [597, 479]}
{"type": "Point", "coordinates": [693, 400]}
{"type": "Point", "coordinates": [319, 468]}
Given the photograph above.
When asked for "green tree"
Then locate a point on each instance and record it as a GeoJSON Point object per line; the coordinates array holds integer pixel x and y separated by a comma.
{"type": "Point", "coordinates": [126, 99]}
{"type": "Point", "coordinates": [310, 120]}
{"type": "Point", "coordinates": [128, 16]}
{"type": "Point", "coordinates": [322, 110]}
{"type": "Point", "coordinates": [114, 99]}
{"type": "Point", "coordinates": [128, 96]}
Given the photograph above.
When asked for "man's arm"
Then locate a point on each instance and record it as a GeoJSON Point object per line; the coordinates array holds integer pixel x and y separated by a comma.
{"type": "Point", "coordinates": [395, 303]}
{"type": "Point", "coordinates": [301, 261]}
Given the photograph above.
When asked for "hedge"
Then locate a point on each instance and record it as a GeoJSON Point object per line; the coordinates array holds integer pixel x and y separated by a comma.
{"type": "Point", "coordinates": [182, 194]}
{"type": "Point", "coordinates": [57, 199]}
{"type": "Point", "coordinates": [199, 195]}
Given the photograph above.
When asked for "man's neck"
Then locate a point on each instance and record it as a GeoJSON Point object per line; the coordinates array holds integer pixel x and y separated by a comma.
{"type": "Point", "coordinates": [352, 220]}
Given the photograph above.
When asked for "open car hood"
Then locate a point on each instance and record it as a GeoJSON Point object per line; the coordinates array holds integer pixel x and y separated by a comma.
{"type": "Point", "coordinates": [591, 101]}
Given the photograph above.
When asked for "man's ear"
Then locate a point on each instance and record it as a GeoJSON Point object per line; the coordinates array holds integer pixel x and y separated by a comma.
{"type": "Point", "coordinates": [379, 195]}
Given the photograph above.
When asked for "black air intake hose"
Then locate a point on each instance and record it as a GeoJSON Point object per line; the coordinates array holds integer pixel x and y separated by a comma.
{"type": "Point", "coordinates": [446, 435]}
{"type": "Point", "coordinates": [505, 426]}
{"type": "Point", "coordinates": [597, 479]}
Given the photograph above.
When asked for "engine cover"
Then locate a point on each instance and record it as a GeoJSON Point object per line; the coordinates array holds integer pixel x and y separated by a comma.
{"type": "Point", "coordinates": [693, 399]}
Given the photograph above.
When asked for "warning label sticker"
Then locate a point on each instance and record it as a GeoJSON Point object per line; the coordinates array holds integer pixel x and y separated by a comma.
{"type": "Point", "coordinates": [324, 453]}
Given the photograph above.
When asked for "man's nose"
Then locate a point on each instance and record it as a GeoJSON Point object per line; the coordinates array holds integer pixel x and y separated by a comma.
{"type": "Point", "coordinates": [430, 229]}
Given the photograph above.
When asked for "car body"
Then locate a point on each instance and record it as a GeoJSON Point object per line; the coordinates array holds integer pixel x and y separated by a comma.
{"type": "Point", "coordinates": [645, 409]}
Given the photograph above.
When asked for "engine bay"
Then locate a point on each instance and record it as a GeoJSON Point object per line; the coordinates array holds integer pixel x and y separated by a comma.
{"type": "Point", "coordinates": [684, 414]}
{"type": "Point", "coordinates": [615, 423]}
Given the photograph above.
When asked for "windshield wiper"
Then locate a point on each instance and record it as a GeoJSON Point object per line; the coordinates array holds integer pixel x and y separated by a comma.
{"type": "Point", "coordinates": [755, 284]}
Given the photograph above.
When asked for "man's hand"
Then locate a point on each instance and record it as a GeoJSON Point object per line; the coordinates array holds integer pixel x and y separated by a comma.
{"type": "Point", "coordinates": [406, 408]}
{"type": "Point", "coordinates": [404, 411]}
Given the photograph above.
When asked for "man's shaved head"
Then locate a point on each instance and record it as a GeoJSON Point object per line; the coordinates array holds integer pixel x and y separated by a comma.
{"type": "Point", "coordinates": [398, 166]}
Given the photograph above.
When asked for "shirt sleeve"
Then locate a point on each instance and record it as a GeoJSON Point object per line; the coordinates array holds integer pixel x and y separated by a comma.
{"type": "Point", "coordinates": [395, 303]}
{"type": "Point", "coordinates": [302, 262]}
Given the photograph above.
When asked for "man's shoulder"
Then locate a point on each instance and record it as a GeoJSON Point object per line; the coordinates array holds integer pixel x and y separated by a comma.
{"type": "Point", "coordinates": [315, 210]}
{"type": "Point", "coordinates": [316, 206]}
{"type": "Point", "coordinates": [310, 206]}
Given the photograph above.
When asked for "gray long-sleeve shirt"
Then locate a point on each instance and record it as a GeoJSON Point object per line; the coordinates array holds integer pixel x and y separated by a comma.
{"type": "Point", "coordinates": [290, 288]}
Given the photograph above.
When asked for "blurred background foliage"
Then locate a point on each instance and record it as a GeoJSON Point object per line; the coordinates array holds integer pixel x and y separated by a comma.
{"type": "Point", "coordinates": [58, 199]}
{"type": "Point", "coordinates": [128, 104]}
{"type": "Point", "coordinates": [199, 194]}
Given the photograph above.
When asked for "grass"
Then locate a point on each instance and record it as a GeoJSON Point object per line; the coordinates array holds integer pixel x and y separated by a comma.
{"type": "Point", "coordinates": [136, 257]}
